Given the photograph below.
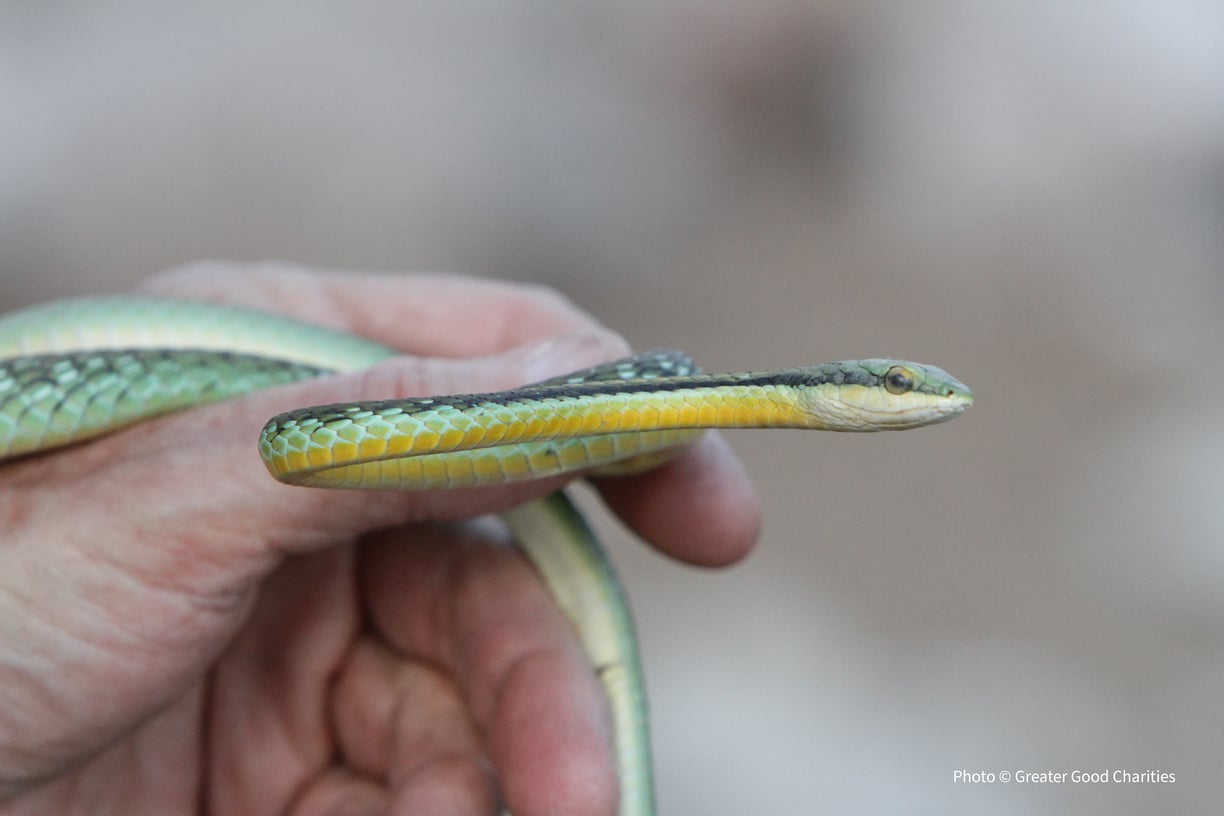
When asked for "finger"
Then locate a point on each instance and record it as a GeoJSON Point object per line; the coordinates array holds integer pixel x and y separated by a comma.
{"type": "Point", "coordinates": [461, 598]}
{"type": "Point", "coordinates": [405, 723]}
{"type": "Point", "coordinates": [272, 685]}
{"type": "Point", "coordinates": [699, 507]}
{"type": "Point", "coordinates": [427, 314]}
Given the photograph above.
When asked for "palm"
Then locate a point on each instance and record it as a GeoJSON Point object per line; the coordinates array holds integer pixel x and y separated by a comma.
{"type": "Point", "coordinates": [366, 673]}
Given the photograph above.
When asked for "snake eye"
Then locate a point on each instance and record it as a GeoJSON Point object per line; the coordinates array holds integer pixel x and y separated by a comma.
{"type": "Point", "coordinates": [898, 380]}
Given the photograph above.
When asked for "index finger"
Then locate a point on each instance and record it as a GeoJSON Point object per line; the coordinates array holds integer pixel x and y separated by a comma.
{"type": "Point", "coordinates": [429, 314]}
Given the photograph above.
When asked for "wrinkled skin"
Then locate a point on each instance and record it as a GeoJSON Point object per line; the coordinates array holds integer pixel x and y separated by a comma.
{"type": "Point", "coordinates": [179, 633]}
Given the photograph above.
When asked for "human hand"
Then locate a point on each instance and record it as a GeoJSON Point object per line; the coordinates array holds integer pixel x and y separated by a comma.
{"type": "Point", "coordinates": [179, 633]}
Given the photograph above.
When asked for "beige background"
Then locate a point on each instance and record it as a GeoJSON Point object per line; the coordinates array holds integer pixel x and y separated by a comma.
{"type": "Point", "coordinates": [1029, 194]}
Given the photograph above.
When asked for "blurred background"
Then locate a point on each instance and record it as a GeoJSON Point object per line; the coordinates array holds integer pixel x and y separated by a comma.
{"type": "Point", "coordinates": [1029, 194]}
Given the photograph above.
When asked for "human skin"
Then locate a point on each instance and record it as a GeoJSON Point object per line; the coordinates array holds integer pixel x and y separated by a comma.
{"type": "Point", "coordinates": [180, 633]}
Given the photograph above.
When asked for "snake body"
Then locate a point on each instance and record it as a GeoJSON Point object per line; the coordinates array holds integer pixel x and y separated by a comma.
{"type": "Point", "coordinates": [75, 369]}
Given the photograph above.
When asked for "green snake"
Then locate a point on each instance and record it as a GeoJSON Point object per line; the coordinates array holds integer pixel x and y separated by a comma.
{"type": "Point", "coordinates": [74, 369]}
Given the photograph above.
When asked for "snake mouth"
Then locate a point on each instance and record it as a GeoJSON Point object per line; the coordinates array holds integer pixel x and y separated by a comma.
{"type": "Point", "coordinates": [917, 418]}
{"type": "Point", "coordinates": [935, 409]}
{"type": "Point", "coordinates": [857, 408]}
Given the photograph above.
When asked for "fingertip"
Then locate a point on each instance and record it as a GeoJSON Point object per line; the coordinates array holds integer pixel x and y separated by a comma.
{"type": "Point", "coordinates": [699, 507]}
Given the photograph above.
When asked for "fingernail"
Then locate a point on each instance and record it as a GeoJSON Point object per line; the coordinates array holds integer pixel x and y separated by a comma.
{"type": "Point", "coordinates": [570, 352]}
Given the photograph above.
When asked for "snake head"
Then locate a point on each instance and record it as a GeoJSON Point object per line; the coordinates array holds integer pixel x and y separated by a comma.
{"type": "Point", "coordinates": [883, 395]}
